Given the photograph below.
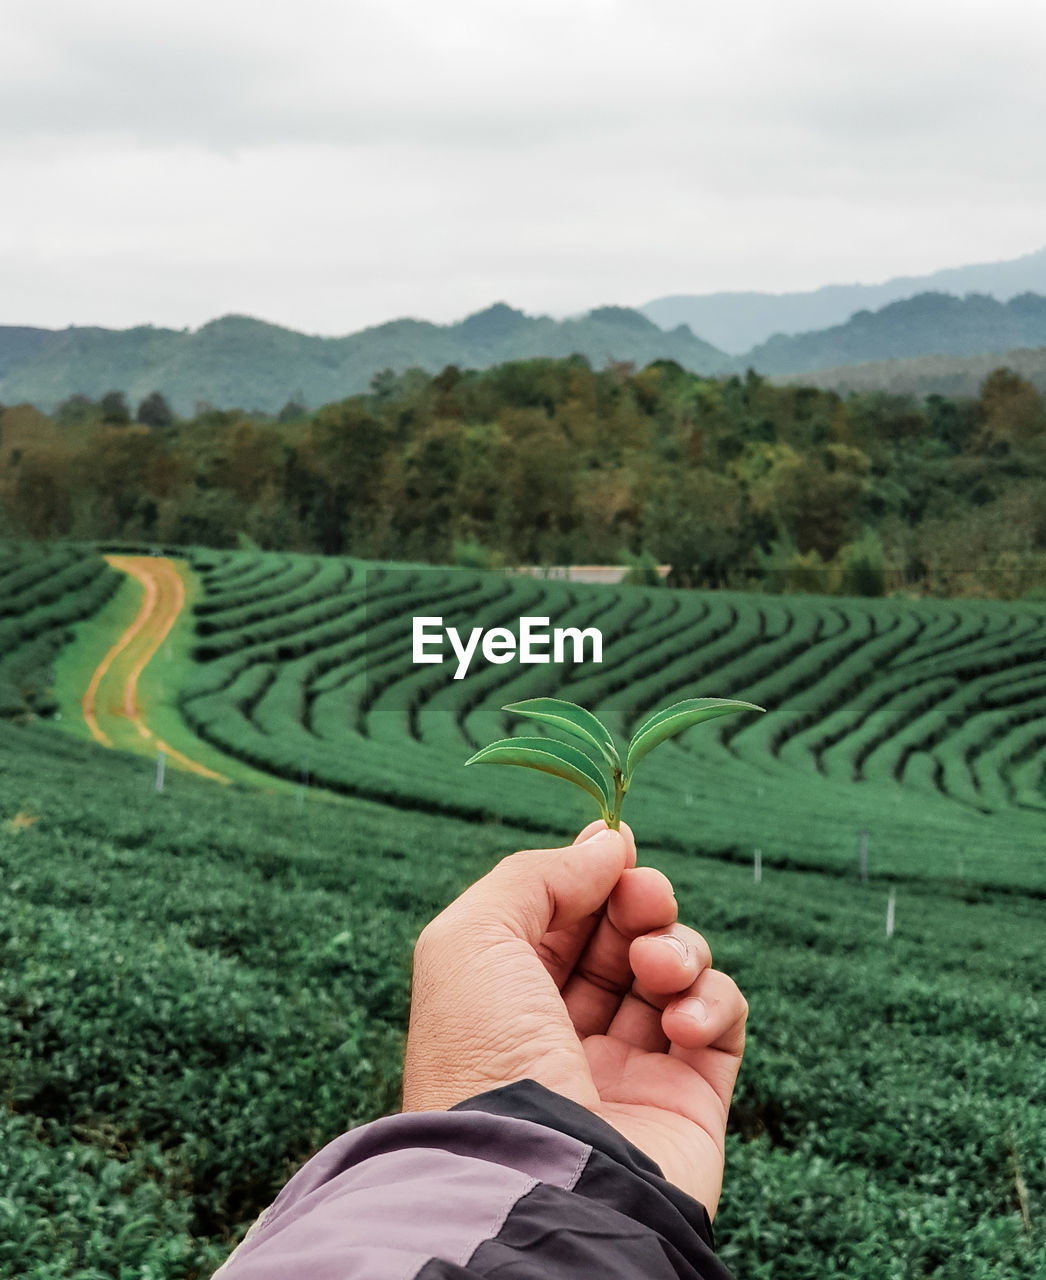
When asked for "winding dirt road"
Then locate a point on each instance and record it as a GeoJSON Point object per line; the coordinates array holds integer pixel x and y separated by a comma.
{"type": "Point", "coordinates": [113, 689]}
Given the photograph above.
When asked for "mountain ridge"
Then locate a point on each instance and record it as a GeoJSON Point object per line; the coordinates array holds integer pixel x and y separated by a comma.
{"type": "Point", "coordinates": [928, 324]}
{"type": "Point", "coordinates": [736, 321]}
{"type": "Point", "coordinates": [238, 361]}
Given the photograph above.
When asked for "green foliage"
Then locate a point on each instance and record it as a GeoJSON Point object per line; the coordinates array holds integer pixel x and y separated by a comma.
{"type": "Point", "coordinates": [735, 483]}
{"type": "Point", "coordinates": [673, 720]}
{"type": "Point", "coordinates": [43, 591]}
{"type": "Point", "coordinates": [572, 719]}
{"type": "Point", "coordinates": [643, 570]}
{"type": "Point", "coordinates": [114, 410]}
{"type": "Point", "coordinates": [857, 569]}
{"type": "Point", "coordinates": [557, 758]}
{"type": "Point", "coordinates": [863, 566]}
{"type": "Point", "coordinates": [565, 761]}
{"type": "Point", "coordinates": [468, 554]}
{"type": "Point", "coordinates": [75, 411]}
{"type": "Point", "coordinates": [154, 411]}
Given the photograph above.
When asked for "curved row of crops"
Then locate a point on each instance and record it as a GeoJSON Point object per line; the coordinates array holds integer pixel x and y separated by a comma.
{"type": "Point", "coordinates": [921, 723]}
{"type": "Point", "coordinates": [43, 591]}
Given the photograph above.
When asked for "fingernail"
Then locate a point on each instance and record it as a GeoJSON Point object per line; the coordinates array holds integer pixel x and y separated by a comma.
{"type": "Point", "coordinates": [676, 943]}
{"type": "Point", "coordinates": [597, 835]}
{"type": "Point", "coordinates": [694, 1007]}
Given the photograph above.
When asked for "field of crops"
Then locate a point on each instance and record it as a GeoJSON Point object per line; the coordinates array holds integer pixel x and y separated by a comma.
{"type": "Point", "coordinates": [200, 986]}
{"type": "Point", "coordinates": [920, 723]}
{"type": "Point", "coordinates": [42, 592]}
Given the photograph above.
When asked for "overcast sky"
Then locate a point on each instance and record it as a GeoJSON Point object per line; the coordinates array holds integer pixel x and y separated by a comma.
{"type": "Point", "coordinates": [329, 164]}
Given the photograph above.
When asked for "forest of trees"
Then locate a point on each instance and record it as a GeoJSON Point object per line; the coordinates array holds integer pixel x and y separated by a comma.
{"type": "Point", "coordinates": [734, 482]}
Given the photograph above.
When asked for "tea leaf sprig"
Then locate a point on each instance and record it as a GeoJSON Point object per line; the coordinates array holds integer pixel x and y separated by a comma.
{"type": "Point", "coordinates": [564, 760]}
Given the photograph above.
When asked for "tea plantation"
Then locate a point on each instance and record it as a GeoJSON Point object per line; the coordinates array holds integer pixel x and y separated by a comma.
{"type": "Point", "coordinates": [200, 986]}
{"type": "Point", "coordinates": [922, 723]}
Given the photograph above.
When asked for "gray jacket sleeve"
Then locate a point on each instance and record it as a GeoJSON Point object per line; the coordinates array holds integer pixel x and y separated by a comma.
{"type": "Point", "coordinates": [518, 1183]}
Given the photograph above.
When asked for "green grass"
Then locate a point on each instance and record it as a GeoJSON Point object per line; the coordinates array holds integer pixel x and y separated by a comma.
{"type": "Point", "coordinates": [165, 675]}
{"type": "Point", "coordinates": [90, 640]}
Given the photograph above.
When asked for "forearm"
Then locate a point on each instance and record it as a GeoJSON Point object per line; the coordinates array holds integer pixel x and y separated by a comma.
{"type": "Point", "coordinates": [518, 1182]}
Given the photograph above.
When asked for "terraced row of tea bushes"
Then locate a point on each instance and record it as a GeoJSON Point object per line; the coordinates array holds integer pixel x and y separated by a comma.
{"type": "Point", "coordinates": [249, 578]}
{"type": "Point", "coordinates": [269, 718]}
{"type": "Point", "coordinates": [43, 591]}
{"type": "Point", "coordinates": [918, 722]}
{"type": "Point", "coordinates": [328, 579]}
{"type": "Point", "coordinates": [199, 988]}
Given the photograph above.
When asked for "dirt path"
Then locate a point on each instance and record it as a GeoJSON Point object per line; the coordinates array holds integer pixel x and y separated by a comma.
{"type": "Point", "coordinates": [113, 688]}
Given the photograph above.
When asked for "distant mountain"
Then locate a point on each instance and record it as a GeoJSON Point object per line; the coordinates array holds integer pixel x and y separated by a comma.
{"type": "Point", "coordinates": [736, 322]}
{"type": "Point", "coordinates": [928, 324]}
{"type": "Point", "coordinates": [953, 376]}
{"type": "Point", "coordinates": [238, 361]}
{"type": "Point", "coordinates": [20, 344]}
{"type": "Point", "coordinates": [245, 363]}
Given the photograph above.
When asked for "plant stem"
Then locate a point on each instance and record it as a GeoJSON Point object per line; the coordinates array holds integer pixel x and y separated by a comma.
{"type": "Point", "coordinates": [619, 794]}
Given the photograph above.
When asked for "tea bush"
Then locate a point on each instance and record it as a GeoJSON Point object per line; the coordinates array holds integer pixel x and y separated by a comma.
{"type": "Point", "coordinates": [934, 708]}
{"type": "Point", "coordinates": [200, 987]}
{"type": "Point", "coordinates": [42, 592]}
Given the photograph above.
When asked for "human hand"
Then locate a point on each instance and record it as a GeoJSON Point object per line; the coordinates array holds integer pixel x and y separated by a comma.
{"type": "Point", "coordinates": [567, 966]}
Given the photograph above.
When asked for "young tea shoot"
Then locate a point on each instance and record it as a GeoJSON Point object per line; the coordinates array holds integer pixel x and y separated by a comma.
{"type": "Point", "coordinates": [608, 782]}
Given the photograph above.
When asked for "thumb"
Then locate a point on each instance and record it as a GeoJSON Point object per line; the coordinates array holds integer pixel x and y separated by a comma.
{"type": "Point", "coordinates": [531, 892]}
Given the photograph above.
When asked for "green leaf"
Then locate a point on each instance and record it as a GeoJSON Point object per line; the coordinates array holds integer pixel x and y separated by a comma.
{"type": "Point", "coordinates": [672, 720]}
{"type": "Point", "coordinates": [549, 756]}
{"type": "Point", "coordinates": [571, 718]}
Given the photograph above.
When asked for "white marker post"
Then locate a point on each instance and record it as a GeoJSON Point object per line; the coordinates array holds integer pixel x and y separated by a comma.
{"type": "Point", "coordinates": [161, 767]}
{"type": "Point", "coordinates": [890, 904]}
{"type": "Point", "coordinates": [757, 867]}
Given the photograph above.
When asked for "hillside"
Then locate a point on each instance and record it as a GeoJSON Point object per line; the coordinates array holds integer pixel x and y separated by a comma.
{"type": "Point", "coordinates": [959, 377]}
{"type": "Point", "coordinates": [245, 363]}
{"type": "Point", "coordinates": [242, 362]}
{"type": "Point", "coordinates": [733, 482]}
{"type": "Point", "coordinates": [928, 324]}
{"type": "Point", "coordinates": [738, 321]}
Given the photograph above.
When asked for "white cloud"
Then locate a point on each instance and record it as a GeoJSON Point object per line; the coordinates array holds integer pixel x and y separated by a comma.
{"type": "Point", "coordinates": [328, 165]}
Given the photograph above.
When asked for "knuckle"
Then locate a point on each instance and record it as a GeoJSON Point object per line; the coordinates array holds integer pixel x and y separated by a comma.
{"type": "Point", "coordinates": [429, 938]}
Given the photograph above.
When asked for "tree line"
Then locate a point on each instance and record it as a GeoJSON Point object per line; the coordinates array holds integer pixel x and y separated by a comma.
{"type": "Point", "coordinates": [735, 482]}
